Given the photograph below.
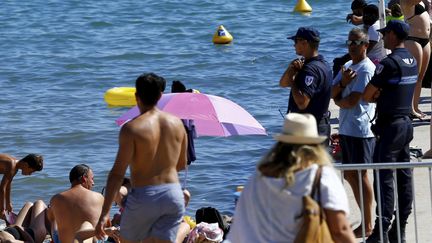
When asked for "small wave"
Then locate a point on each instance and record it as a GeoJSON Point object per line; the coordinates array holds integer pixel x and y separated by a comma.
{"type": "Point", "coordinates": [100, 24]}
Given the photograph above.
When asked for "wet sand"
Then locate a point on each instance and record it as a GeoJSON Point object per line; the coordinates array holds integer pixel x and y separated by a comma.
{"type": "Point", "coordinates": [423, 202]}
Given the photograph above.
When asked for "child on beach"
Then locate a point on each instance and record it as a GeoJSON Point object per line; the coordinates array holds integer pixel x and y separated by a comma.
{"type": "Point", "coordinates": [9, 167]}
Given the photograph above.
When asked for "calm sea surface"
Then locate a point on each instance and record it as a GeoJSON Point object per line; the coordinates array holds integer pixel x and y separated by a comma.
{"type": "Point", "coordinates": [59, 57]}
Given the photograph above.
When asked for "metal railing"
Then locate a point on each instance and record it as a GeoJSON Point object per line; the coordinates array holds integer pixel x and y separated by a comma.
{"type": "Point", "coordinates": [389, 166]}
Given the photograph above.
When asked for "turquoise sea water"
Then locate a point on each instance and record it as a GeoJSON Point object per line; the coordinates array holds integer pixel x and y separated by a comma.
{"type": "Point", "coordinates": [59, 57]}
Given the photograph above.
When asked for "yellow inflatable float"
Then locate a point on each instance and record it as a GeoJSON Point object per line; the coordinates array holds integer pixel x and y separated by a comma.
{"type": "Point", "coordinates": [123, 96]}
{"type": "Point", "coordinates": [120, 96]}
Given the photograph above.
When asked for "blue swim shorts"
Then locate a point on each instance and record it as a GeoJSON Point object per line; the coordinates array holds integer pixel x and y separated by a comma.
{"type": "Point", "coordinates": [155, 211]}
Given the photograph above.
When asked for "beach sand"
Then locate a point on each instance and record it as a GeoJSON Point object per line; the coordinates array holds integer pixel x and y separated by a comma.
{"type": "Point", "coordinates": [422, 206]}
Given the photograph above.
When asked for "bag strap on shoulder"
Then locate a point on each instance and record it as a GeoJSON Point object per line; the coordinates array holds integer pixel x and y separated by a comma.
{"type": "Point", "coordinates": [316, 187]}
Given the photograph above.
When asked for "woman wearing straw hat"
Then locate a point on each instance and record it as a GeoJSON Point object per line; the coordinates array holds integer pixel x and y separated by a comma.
{"type": "Point", "coordinates": [271, 201]}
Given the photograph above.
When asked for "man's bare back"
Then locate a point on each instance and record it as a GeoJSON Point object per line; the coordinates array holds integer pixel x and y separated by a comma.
{"type": "Point", "coordinates": [71, 208]}
{"type": "Point", "coordinates": [7, 164]}
{"type": "Point", "coordinates": [154, 146]}
{"type": "Point", "coordinates": [158, 139]}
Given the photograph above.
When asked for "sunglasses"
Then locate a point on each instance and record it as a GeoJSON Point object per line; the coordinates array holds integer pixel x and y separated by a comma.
{"type": "Point", "coordinates": [355, 42]}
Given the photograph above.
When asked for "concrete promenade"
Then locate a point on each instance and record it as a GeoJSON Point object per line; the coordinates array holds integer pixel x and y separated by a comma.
{"type": "Point", "coordinates": [421, 177]}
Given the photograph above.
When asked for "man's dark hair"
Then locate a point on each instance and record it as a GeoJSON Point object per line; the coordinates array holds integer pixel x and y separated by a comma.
{"type": "Point", "coordinates": [149, 87]}
{"type": "Point", "coordinates": [77, 172]}
{"type": "Point", "coordinates": [370, 14]}
{"type": "Point", "coordinates": [34, 161]}
{"type": "Point", "coordinates": [358, 4]}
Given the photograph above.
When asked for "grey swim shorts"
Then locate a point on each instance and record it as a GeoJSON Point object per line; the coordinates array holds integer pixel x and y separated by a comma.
{"type": "Point", "coordinates": [153, 211]}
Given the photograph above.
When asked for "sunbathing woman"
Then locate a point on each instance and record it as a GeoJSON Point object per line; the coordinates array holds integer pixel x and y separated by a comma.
{"type": "Point", "coordinates": [417, 43]}
{"type": "Point", "coordinates": [29, 225]}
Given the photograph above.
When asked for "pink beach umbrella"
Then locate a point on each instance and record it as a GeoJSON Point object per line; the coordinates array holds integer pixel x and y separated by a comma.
{"type": "Point", "coordinates": [212, 115]}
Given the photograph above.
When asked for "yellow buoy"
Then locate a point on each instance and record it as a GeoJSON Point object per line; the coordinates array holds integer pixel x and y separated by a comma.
{"type": "Point", "coordinates": [222, 36]}
{"type": "Point", "coordinates": [302, 6]}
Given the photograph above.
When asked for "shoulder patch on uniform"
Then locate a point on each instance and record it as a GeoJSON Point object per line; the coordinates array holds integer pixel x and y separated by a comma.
{"type": "Point", "coordinates": [379, 68]}
{"type": "Point", "coordinates": [408, 61]}
{"type": "Point", "coordinates": [309, 80]}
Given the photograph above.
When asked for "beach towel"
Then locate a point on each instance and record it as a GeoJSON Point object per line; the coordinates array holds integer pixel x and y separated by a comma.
{"type": "Point", "coordinates": [191, 134]}
{"type": "Point", "coordinates": [205, 232]}
{"type": "Point", "coordinates": [10, 217]}
{"type": "Point", "coordinates": [211, 215]}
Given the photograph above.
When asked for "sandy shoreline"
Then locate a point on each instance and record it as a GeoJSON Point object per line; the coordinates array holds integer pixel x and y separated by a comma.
{"type": "Point", "coordinates": [423, 202]}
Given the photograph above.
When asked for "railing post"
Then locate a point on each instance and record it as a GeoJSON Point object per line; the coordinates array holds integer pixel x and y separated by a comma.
{"type": "Point", "coordinates": [430, 186]}
{"type": "Point", "coordinates": [414, 206]}
{"type": "Point", "coordinates": [379, 204]}
{"type": "Point", "coordinates": [396, 199]}
{"type": "Point", "coordinates": [360, 180]}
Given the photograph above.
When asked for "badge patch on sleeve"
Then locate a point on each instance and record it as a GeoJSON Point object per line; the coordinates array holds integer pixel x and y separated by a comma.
{"type": "Point", "coordinates": [378, 68]}
{"type": "Point", "coordinates": [309, 80]}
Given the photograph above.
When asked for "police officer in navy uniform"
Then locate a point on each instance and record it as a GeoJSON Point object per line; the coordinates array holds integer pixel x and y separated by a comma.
{"type": "Point", "coordinates": [392, 88]}
{"type": "Point", "coordinates": [309, 79]}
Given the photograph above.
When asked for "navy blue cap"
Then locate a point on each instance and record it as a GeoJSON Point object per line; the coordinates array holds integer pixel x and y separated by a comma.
{"type": "Point", "coordinates": [400, 28]}
{"type": "Point", "coordinates": [307, 33]}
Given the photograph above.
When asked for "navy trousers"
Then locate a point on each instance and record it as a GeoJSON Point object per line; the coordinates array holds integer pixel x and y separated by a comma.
{"type": "Point", "coordinates": [392, 145]}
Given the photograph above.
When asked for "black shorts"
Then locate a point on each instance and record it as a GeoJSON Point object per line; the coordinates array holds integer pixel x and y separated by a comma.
{"type": "Point", "coordinates": [356, 150]}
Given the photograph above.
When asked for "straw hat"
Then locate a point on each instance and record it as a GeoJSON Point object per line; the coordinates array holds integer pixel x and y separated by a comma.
{"type": "Point", "coordinates": [299, 129]}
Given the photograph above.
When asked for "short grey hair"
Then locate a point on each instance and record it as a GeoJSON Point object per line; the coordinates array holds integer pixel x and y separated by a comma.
{"type": "Point", "coordinates": [360, 32]}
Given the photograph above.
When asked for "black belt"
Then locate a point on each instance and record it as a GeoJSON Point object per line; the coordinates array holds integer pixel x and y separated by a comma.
{"type": "Point", "coordinates": [389, 118]}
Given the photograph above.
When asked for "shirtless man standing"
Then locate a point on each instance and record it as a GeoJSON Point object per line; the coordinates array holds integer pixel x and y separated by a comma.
{"type": "Point", "coordinates": [70, 209]}
{"type": "Point", "coordinates": [154, 146]}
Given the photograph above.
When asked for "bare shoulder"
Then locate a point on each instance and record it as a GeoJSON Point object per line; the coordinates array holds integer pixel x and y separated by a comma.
{"type": "Point", "coordinates": [167, 119]}
{"type": "Point", "coordinates": [57, 202]}
{"type": "Point", "coordinates": [6, 162]}
{"type": "Point", "coordinates": [58, 198]}
{"type": "Point", "coordinates": [98, 196]}
{"type": "Point", "coordinates": [151, 119]}
{"type": "Point", "coordinates": [6, 157]}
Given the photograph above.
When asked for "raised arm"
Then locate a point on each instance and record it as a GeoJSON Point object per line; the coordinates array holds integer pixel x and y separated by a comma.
{"type": "Point", "coordinates": [347, 76]}
{"type": "Point", "coordinates": [288, 77]}
{"type": "Point", "coordinates": [301, 99]}
{"type": "Point", "coordinates": [371, 93]}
